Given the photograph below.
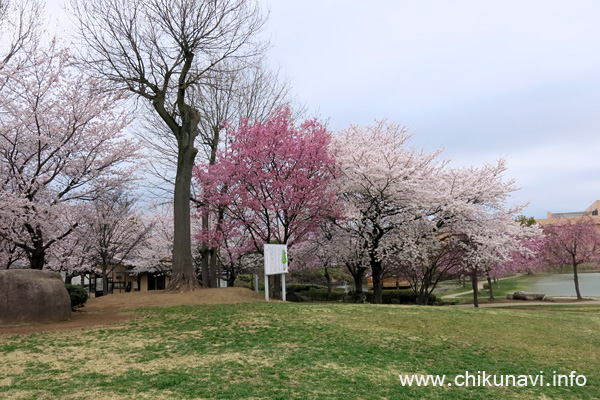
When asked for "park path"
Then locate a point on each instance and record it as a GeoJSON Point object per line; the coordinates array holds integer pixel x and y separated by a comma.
{"type": "Point", "coordinates": [479, 286]}
{"type": "Point", "coordinates": [558, 301]}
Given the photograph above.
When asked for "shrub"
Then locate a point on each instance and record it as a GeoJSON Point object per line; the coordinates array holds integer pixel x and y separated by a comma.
{"type": "Point", "coordinates": [296, 297]}
{"type": "Point", "coordinates": [394, 297]}
{"type": "Point", "coordinates": [316, 294]}
{"type": "Point", "coordinates": [77, 294]}
{"type": "Point", "coordinates": [302, 287]}
{"type": "Point", "coordinates": [367, 296]}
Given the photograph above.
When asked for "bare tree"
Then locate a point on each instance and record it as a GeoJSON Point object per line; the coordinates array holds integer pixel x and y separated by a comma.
{"type": "Point", "coordinates": [19, 27]}
{"type": "Point", "coordinates": [232, 93]}
{"type": "Point", "coordinates": [163, 50]}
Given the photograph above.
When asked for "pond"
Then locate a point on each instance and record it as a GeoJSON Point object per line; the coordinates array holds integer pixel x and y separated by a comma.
{"type": "Point", "coordinates": [563, 285]}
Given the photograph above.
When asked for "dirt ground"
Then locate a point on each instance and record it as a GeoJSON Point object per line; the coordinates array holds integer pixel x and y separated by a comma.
{"type": "Point", "coordinates": [106, 310]}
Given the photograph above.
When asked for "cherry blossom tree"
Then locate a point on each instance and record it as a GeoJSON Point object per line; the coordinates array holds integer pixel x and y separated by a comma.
{"type": "Point", "coordinates": [272, 181]}
{"type": "Point", "coordinates": [116, 232]}
{"type": "Point", "coordinates": [530, 259]}
{"type": "Point", "coordinates": [383, 185]}
{"type": "Point", "coordinates": [61, 144]}
{"type": "Point", "coordinates": [325, 249]}
{"type": "Point", "coordinates": [236, 256]}
{"type": "Point", "coordinates": [10, 254]}
{"type": "Point", "coordinates": [425, 255]}
{"type": "Point", "coordinates": [464, 220]}
{"type": "Point", "coordinates": [489, 241]}
{"type": "Point", "coordinates": [72, 255]}
{"type": "Point", "coordinates": [573, 242]}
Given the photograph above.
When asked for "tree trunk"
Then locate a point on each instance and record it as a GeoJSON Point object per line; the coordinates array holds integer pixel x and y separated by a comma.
{"type": "Point", "coordinates": [205, 257]}
{"type": "Point", "coordinates": [232, 276]}
{"type": "Point", "coordinates": [358, 287]}
{"type": "Point", "coordinates": [183, 277]}
{"type": "Point", "coordinates": [423, 297]}
{"type": "Point", "coordinates": [37, 258]}
{"type": "Point", "coordinates": [328, 280]}
{"type": "Point", "coordinates": [489, 280]}
{"type": "Point", "coordinates": [475, 285]}
{"type": "Point", "coordinates": [576, 279]}
{"type": "Point", "coordinates": [209, 270]}
{"type": "Point", "coordinates": [104, 280]}
{"type": "Point", "coordinates": [377, 281]}
{"type": "Point", "coordinates": [212, 269]}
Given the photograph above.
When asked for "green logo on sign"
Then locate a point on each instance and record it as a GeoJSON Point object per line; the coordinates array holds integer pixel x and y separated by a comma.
{"type": "Point", "coordinates": [283, 257]}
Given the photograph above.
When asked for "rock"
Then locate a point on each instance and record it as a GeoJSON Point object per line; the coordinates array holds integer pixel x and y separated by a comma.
{"type": "Point", "coordinates": [528, 296]}
{"type": "Point", "coordinates": [32, 296]}
{"type": "Point", "coordinates": [509, 296]}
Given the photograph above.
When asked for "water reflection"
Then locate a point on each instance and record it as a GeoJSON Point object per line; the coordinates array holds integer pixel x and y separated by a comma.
{"type": "Point", "coordinates": [563, 285]}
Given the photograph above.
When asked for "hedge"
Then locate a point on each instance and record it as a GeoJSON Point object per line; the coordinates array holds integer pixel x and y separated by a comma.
{"type": "Point", "coordinates": [77, 294]}
{"type": "Point", "coordinates": [394, 297]}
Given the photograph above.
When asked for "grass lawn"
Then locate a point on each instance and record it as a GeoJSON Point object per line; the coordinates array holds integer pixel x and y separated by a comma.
{"type": "Point", "coordinates": [305, 351]}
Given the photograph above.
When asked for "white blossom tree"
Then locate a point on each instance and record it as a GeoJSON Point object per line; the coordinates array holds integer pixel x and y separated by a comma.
{"type": "Point", "coordinates": [383, 184]}
{"type": "Point", "coordinates": [61, 144]}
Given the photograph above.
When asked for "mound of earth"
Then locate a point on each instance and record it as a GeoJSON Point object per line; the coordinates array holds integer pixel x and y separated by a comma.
{"type": "Point", "coordinates": [106, 310]}
{"type": "Point", "coordinates": [133, 300]}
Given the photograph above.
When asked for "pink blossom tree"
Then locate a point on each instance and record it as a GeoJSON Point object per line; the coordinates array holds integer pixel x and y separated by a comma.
{"type": "Point", "coordinates": [328, 249]}
{"type": "Point", "coordinates": [573, 242]}
{"type": "Point", "coordinates": [61, 144]}
{"type": "Point", "coordinates": [530, 259]}
{"type": "Point", "coordinates": [273, 181]}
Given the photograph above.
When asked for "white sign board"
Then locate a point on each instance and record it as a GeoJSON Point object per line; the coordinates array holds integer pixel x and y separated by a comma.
{"type": "Point", "coordinates": [276, 259]}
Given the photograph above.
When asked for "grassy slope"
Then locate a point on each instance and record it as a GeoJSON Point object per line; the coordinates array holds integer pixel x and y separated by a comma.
{"type": "Point", "coordinates": [312, 351]}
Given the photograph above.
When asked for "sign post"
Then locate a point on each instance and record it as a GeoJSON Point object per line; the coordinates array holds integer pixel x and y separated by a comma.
{"type": "Point", "coordinates": [276, 262]}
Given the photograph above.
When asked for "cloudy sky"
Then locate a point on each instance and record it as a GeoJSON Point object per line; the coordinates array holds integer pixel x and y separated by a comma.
{"type": "Point", "coordinates": [482, 79]}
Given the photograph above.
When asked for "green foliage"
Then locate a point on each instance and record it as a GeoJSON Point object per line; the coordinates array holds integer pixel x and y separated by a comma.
{"type": "Point", "coordinates": [77, 294]}
{"type": "Point", "coordinates": [525, 221]}
{"type": "Point", "coordinates": [316, 294]}
{"type": "Point", "coordinates": [302, 287]}
{"type": "Point", "coordinates": [394, 297]}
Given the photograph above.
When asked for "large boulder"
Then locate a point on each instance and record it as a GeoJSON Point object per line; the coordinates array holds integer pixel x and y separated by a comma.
{"type": "Point", "coordinates": [528, 296]}
{"type": "Point", "coordinates": [29, 296]}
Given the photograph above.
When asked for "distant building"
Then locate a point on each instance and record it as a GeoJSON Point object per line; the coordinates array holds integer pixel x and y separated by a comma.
{"type": "Point", "coordinates": [124, 278]}
{"type": "Point", "coordinates": [591, 212]}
